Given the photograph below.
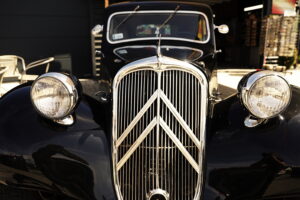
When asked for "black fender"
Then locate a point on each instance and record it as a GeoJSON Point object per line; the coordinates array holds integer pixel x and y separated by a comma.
{"type": "Point", "coordinates": [37, 154]}
{"type": "Point", "coordinates": [253, 163]}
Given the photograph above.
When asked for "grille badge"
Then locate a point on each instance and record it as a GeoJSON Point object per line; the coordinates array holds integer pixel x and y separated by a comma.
{"type": "Point", "coordinates": [158, 194]}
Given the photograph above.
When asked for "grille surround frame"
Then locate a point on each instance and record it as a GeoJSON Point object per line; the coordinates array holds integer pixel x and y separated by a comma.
{"type": "Point", "coordinates": [160, 64]}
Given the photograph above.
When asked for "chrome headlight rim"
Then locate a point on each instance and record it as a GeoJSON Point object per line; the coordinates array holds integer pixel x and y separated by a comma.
{"type": "Point", "coordinates": [249, 83]}
{"type": "Point", "coordinates": [68, 83]}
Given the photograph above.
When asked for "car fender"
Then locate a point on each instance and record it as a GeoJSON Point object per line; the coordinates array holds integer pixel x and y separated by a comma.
{"type": "Point", "coordinates": [253, 163]}
{"type": "Point", "coordinates": [38, 154]}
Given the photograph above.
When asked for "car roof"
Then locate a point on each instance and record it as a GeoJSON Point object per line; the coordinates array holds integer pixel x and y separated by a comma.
{"type": "Point", "coordinates": [159, 5]}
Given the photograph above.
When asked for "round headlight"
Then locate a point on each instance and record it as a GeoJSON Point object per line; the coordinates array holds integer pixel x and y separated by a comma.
{"type": "Point", "coordinates": [265, 94]}
{"type": "Point", "coordinates": [54, 95]}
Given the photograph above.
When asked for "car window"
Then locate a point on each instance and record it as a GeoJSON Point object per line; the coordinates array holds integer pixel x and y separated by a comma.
{"type": "Point", "coordinates": [140, 26]}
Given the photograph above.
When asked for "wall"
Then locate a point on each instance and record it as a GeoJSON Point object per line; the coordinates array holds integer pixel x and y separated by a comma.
{"type": "Point", "coordinates": [36, 29]}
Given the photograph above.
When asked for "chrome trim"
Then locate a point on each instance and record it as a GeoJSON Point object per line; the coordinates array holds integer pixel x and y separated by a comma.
{"type": "Point", "coordinates": [181, 120]}
{"type": "Point", "coordinates": [157, 38]}
{"type": "Point", "coordinates": [252, 122]}
{"type": "Point", "coordinates": [67, 121]}
{"type": "Point", "coordinates": [180, 145]}
{"type": "Point", "coordinates": [68, 83]}
{"type": "Point", "coordinates": [137, 118]}
{"type": "Point", "coordinates": [159, 65]}
{"type": "Point", "coordinates": [251, 80]}
{"type": "Point", "coordinates": [260, 74]}
{"type": "Point", "coordinates": [158, 192]}
{"type": "Point", "coordinates": [96, 44]}
{"type": "Point", "coordinates": [141, 138]}
{"type": "Point", "coordinates": [155, 48]}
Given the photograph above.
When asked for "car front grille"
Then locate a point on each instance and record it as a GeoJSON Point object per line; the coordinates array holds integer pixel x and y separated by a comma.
{"type": "Point", "coordinates": [158, 133]}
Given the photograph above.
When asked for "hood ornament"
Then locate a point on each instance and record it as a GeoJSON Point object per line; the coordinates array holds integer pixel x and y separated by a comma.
{"type": "Point", "coordinates": [159, 47]}
{"type": "Point", "coordinates": [159, 55]}
{"type": "Point", "coordinates": [158, 28]}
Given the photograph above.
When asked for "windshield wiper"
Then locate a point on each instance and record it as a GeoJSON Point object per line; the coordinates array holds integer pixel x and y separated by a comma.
{"type": "Point", "coordinates": [157, 32]}
{"type": "Point", "coordinates": [126, 18]}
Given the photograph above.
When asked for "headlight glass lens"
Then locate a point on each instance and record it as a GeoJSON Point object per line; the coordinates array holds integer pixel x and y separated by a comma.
{"type": "Point", "coordinates": [52, 97]}
{"type": "Point", "coordinates": [268, 96]}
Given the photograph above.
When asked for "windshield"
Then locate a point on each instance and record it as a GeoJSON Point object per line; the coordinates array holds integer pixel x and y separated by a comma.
{"type": "Point", "coordinates": [144, 25]}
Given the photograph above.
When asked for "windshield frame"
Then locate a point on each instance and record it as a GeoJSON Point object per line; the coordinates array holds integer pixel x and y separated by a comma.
{"type": "Point", "coordinates": [157, 38]}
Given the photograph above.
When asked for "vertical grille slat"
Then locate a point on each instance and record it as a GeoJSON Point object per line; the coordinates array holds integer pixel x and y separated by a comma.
{"type": "Point", "coordinates": [150, 159]}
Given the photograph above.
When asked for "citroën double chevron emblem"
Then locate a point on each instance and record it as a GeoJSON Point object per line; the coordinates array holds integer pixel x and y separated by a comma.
{"type": "Point", "coordinates": [158, 122]}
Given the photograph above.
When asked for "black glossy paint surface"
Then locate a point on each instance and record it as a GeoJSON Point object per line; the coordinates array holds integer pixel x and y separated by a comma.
{"type": "Point", "coordinates": [38, 154]}
{"type": "Point", "coordinates": [253, 163]}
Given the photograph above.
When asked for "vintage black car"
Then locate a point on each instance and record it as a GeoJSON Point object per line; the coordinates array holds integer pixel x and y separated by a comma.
{"type": "Point", "coordinates": [154, 125]}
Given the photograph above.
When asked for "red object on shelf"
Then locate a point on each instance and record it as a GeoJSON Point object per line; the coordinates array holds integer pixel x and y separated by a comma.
{"type": "Point", "coordinates": [282, 6]}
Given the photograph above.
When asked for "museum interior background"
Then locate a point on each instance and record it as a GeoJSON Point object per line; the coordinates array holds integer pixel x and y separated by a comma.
{"type": "Point", "coordinates": [263, 33]}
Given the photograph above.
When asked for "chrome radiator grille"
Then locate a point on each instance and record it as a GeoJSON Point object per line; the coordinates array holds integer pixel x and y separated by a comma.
{"type": "Point", "coordinates": [158, 133]}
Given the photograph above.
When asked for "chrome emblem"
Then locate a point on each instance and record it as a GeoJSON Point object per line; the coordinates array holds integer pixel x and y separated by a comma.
{"type": "Point", "coordinates": [159, 123]}
{"type": "Point", "coordinates": [158, 194]}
